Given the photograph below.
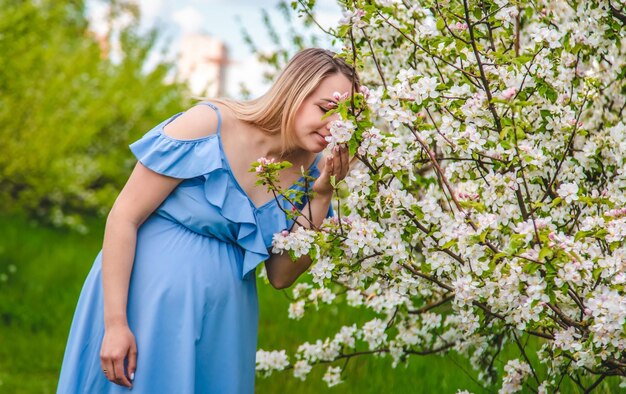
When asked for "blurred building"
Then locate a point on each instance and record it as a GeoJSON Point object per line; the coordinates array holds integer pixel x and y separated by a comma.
{"type": "Point", "coordinates": [202, 63]}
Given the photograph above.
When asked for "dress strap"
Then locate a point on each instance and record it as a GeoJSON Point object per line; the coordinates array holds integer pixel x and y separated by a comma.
{"type": "Point", "coordinates": [217, 111]}
{"type": "Point", "coordinates": [317, 159]}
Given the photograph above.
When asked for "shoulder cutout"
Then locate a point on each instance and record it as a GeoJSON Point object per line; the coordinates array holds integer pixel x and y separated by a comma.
{"type": "Point", "coordinates": [197, 122]}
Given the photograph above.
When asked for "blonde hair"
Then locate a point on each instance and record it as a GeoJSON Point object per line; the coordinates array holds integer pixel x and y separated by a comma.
{"type": "Point", "coordinates": [274, 112]}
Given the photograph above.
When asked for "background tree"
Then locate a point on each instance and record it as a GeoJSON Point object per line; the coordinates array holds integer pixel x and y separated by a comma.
{"type": "Point", "coordinates": [68, 111]}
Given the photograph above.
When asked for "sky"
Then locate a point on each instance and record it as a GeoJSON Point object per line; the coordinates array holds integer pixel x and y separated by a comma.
{"type": "Point", "coordinates": [218, 18]}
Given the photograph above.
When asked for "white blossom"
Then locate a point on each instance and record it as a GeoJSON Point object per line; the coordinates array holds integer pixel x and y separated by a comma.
{"type": "Point", "coordinates": [340, 133]}
{"type": "Point", "coordinates": [298, 241]}
{"type": "Point", "coordinates": [271, 361]}
{"type": "Point", "coordinates": [515, 373]}
{"type": "Point", "coordinates": [569, 192]}
{"type": "Point", "coordinates": [374, 333]}
{"type": "Point", "coordinates": [301, 369]}
{"type": "Point", "coordinates": [296, 310]}
{"type": "Point", "coordinates": [332, 377]}
{"type": "Point", "coordinates": [322, 270]}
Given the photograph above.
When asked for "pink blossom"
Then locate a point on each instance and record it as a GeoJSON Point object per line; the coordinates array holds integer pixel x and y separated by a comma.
{"type": "Point", "coordinates": [353, 17]}
{"type": "Point", "coordinates": [469, 196]}
{"type": "Point", "coordinates": [509, 93]}
{"type": "Point", "coordinates": [340, 96]}
{"type": "Point", "coordinates": [573, 122]}
{"type": "Point", "coordinates": [265, 161]}
{"type": "Point", "coordinates": [616, 212]}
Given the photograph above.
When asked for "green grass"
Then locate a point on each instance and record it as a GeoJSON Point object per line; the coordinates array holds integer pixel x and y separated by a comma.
{"type": "Point", "coordinates": [37, 300]}
{"type": "Point", "coordinates": [41, 274]}
{"type": "Point", "coordinates": [363, 374]}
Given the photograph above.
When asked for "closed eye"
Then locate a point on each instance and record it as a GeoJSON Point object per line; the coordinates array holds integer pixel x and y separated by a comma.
{"type": "Point", "coordinates": [324, 110]}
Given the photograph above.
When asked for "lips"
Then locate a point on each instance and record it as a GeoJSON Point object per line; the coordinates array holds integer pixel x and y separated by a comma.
{"type": "Point", "coordinates": [322, 138]}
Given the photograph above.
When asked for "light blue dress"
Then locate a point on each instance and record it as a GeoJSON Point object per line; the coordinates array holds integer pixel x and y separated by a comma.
{"type": "Point", "coordinates": [192, 301]}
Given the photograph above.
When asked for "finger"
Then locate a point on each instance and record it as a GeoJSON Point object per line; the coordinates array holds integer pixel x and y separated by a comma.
{"type": "Point", "coordinates": [110, 370]}
{"type": "Point", "coordinates": [132, 362]}
{"type": "Point", "coordinates": [337, 163]}
{"type": "Point", "coordinates": [344, 161]}
{"type": "Point", "coordinates": [106, 364]}
{"type": "Point", "coordinates": [106, 368]}
{"type": "Point", "coordinates": [327, 167]}
{"type": "Point", "coordinates": [119, 375]}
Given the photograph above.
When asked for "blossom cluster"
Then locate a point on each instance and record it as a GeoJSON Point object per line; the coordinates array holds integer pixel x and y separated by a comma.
{"type": "Point", "coordinates": [340, 133]}
{"type": "Point", "coordinates": [263, 163]}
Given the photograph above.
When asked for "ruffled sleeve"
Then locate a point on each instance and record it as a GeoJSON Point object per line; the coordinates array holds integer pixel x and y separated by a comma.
{"type": "Point", "coordinates": [172, 157]}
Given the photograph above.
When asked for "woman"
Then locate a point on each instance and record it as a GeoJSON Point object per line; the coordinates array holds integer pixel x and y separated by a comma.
{"type": "Point", "coordinates": [170, 305]}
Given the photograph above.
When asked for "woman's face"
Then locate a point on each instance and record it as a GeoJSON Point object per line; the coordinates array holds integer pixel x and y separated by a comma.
{"type": "Point", "coordinates": [310, 130]}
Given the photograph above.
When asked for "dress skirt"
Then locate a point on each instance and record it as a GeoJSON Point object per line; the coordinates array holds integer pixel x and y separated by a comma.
{"type": "Point", "coordinates": [194, 320]}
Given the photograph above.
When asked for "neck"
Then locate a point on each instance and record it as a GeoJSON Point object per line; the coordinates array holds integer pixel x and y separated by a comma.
{"type": "Point", "coordinates": [257, 141]}
{"type": "Point", "coordinates": [270, 146]}
{"type": "Point", "coordinates": [266, 145]}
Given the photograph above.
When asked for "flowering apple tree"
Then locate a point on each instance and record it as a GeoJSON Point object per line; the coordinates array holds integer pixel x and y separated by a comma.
{"type": "Point", "coordinates": [487, 203]}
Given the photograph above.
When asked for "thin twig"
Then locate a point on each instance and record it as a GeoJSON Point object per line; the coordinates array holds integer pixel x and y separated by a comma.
{"type": "Point", "coordinates": [483, 77]}
{"type": "Point", "coordinates": [310, 15]}
{"type": "Point", "coordinates": [380, 71]}
{"type": "Point", "coordinates": [432, 305]}
{"type": "Point", "coordinates": [521, 348]}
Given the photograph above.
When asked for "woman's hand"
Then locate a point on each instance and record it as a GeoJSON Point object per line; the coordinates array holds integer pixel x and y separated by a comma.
{"type": "Point", "coordinates": [336, 164]}
{"type": "Point", "coordinates": [118, 345]}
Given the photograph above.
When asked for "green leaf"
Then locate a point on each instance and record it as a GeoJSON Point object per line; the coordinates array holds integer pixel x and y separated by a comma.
{"type": "Point", "coordinates": [498, 256]}
{"type": "Point", "coordinates": [545, 253]}
{"type": "Point", "coordinates": [530, 268]}
{"type": "Point", "coordinates": [440, 24]}
{"type": "Point", "coordinates": [449, 244]}
{"type": "Point", "coordinates": [582, 234]}
{"type": "Point", "coordinates": [555, 202]}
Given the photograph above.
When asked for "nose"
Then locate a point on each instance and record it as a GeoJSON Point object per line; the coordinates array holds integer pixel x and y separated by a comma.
{"type": "Point", "coordinates": [330, 120]}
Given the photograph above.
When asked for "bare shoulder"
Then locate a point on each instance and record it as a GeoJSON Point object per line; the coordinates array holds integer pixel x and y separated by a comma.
{"type": "Point", "coordinates": [197, 122]}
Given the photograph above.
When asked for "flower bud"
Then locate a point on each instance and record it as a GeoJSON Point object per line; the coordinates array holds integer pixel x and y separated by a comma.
{"type": "Point", "coordinates": [509, 93]}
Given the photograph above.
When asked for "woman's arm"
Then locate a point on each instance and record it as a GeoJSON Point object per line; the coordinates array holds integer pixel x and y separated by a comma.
{"type": "Point", "coordinates": [281, 270]}
{"type": "Point", "coordinates": [142, 194]}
